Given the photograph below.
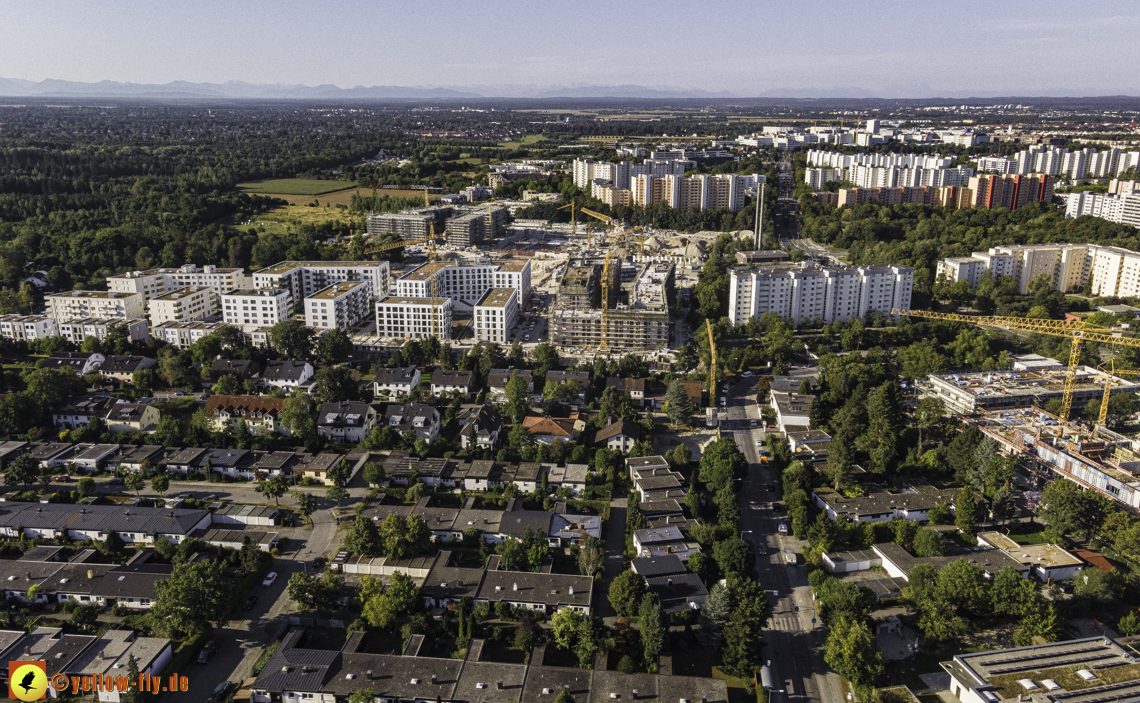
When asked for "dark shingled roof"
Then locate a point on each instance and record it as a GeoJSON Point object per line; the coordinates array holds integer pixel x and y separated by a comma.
{"type": "Point", "coordinates": [650, 567]}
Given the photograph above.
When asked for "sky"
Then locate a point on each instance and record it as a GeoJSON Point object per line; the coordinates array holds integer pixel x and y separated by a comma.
{"type": "Point", "coordinates": [911, 48]}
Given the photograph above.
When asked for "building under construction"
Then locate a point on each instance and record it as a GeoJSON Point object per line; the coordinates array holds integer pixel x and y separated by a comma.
{"type": "Point", "coordinates": [971, 391]}
{"type": "Point", "coordinates": [468, 226]}
{"type": "Point", "coordinates": [1101, 461]}
{"type": "Point", "coordinates": [465, 226]}
{"type": "Point", "coordinates": [641, 324]}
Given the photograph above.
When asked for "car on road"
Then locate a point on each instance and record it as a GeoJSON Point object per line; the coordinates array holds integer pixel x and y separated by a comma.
{"type": "Point", "coordinates": [746, 374]}
{"type": "Point", "coordinates": [249, 603]}
{"type": "Point", "coordinates": [790, 557]}
{"type": "Point", "coordinates": [207, 651]}
{"type": "Point", "coordinates": [269, 578]}
{"type": "Point", "coordinates": [752, 422]}
{"type": "Point", "coordinates": [220, 691]}
{"type": "Point", "coordinates": [759, 443]}
{"type": "Point", "coordinates": [782, 528]}
{"type": "Point", "coordinates": [62, 478]}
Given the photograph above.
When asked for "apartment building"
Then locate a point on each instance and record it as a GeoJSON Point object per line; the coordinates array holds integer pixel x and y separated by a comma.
{"type": "Point", "coordinates": [818, 177]}
{"type": "Point", "coordinates": [1121, 208]}
{"type": "Point", "coordinates": [1113, 271]}
{"type": "Point", "coordinates": [496, 314]}
{"type": "Point", "coordinates": [250, 309]}
{"type": "Point", "coordinates": [465, 283]}
{"type": "Point", "coordinates": [409, 224]}
{"type": "Point", "coordinates": [183, 334]}
{"type": "Point", "coordinates": [183, 305]}
{"type": "Point", "coordinates": [404, 317]}
{"type": "Point", "coordinates": [27, 328]}
{"type": "Point", "coordinates": [806, 292]}
{"type": "Point", "coordinates": [1010, 191]}
{"type": "Point", "coordinates": [76, 331]}
{"type": "Point", "coordinates": [702, 191]}
{"type": "Point", "coordinates": [340, 306]}
{"type": "Point", "coordinates": [305, 278]}
{"type": "Point", "coordinates": [260, 414]}
{"type": "Point", "coordinates": [79, 304]}
{"type": "Point", "coordinates": [155, 282]}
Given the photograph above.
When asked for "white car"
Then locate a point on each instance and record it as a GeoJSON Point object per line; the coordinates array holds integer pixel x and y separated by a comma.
{"type": "Point", "coordinates": [759, 443]}
{"type": "Point", "coordinates": [269, 578]}
{"type": "Point", "coordinates": [746, 374]}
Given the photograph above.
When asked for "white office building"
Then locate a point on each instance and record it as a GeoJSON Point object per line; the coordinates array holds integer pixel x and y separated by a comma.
{"type": "Point", "coordinates": [155, 282]}
{"type": "Point", "coordinates": [340, 306]}
{"type": "Point", "coordinates": [496, 314]}
{"type": "Point", "coordinates": [805, 292]}
{"type": "Point", "coordinates": [418, 318]}
{"type": "Point", "coordinates": [250, 309]}
{"type": "Point", "coordinates": [183, 305]}
{"type": "Point", "coordinates": [305, 278]}
{"type": "Point", "coordinates": [78, 304]}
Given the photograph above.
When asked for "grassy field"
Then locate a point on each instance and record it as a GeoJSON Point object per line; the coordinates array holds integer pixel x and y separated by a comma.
{"type": "Point", "coordinates": [279, 220]}
{"type": "Point", "coordinates": [344, 197]}
{"type": "Point", "coordinates": [294, 186]}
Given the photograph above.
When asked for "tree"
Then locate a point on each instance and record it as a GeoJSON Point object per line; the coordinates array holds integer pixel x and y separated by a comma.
{"type": "Point", "coordinates": [565, 625]}
{"type": "Point", "coordinates": [227, 385]}
{"type": "Point", "coordinates": [851, 650]}
{"type": "Point", "coordinates": [1011, 595]}
{"type": "Point", "coordinates": [564, 696]}
{"type": "Point", "coordinates": [250, 556]}
{"type": "Point", "coordinates": [160, 483]}
{"type": "Point", "coordinates": [884, 427]}
{"type": "Point", "coordinates": [363, 538]}
{"type": "Point", "coordinates": [929, 543]}
{"type": "Point", "coordinates": [132, 694]}
{"type": "Point", "coordinates": [1070, 510]}
{"type": "Point", "coordinates": [652, 631]}
{"type": "Point", "coordinates": [1040, 624]}
{"type": "Point", "coordinates": [734, 556]}
{"type": "Point", "coordinates": [713, 616]}
{"type": "Point", "coordinates": [940, 514]}
{"type": "Point", "coordinates": [22, 471]}
{"type": "Point", "coordinates": [1129, 625]}
{"type": "Point", "coordinates": [86, 486]}
{"type": "Point", "coordinates": [677, 404]}
{"type": "Point", "coordinates": [134, 481]}
{"type": "Point", "coordinates": [928, 414]}
{"type": "Point", "coordinates": [275, 488]}
{"type": "Point", "coordinates": [84, 617]}
{"type": "Point", "coordinates": [966, 510]}
{"type": "Point", "coordinates": [625, 593]}
{"type": "Point", "coordinates": [337, 494]}
{"type": "Point", "coordinates": [398, 599]}
{"type": "Point", "coordinates": [194, 595]}
{"type": "Point", "coordinates": [335, 384]}
{"type": "Point", "coordinates": [394, 536]}
{"type": "Point", "coordinates": [299, 416]}
{"type": "Point", "coordinates": [518, 397]}
{"type": "Point", "coordinates": [722, 462]}
{"type": "Point", "coordinates": [333, 347]}
{"type": "Point", "coordinates": [374, 473]}
{"type": "Point", "coordinates": [591, 555]}
{"type": "Point", "coordinates": [1004, 505]}
{"type": "Point", "coordinates": [742, 640]}
{"type": "Point", "coordinates": [292, 339]}
{"type": "Point", "coordinates": [306, 502]}
{"type": "Point", "coordinates": [964, 586]}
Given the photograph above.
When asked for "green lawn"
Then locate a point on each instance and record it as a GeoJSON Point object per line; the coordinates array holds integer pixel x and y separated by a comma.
{"type": "Point", "coordinates": [295, 186]}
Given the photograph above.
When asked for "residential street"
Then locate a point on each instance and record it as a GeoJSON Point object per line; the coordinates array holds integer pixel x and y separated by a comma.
{"type": "Point", "coordinates": [794, 639]}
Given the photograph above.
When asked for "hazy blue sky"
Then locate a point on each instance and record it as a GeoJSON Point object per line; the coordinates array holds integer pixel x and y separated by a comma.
{"type": "Point", "coordinates": [887, 48]}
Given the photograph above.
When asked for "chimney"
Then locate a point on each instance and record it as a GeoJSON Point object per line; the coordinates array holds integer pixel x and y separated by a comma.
{"type": "Point", "coordinates": [669, 583]}
{"type": "Point", "coordinates": [102, 654]}
{"type": "Point", "coordinates": [27, 652]}
{"type": "Point", "coordinates": [368, 674]}
{"type": "Point", "coordinates": [499, 684]}
{"type": "Point", "coordinates": [434, 679]}
{"type": "Point", "coordinates": [571, 590]}
{"type": "Point", "coordinates": [515, 586]}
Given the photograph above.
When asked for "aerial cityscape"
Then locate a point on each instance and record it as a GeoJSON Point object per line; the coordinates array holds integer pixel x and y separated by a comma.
{"type": "Point", "coordinates": [360, 356]}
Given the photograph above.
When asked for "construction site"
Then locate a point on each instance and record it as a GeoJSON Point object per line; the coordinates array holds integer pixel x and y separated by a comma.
{"type": "Point", "coordinates": [968, 392]}
{"type": "Point", "coordinates": [1099, 460]}
{"type": "Point", "coordinates": [464, 226]}
{"type": "Point", "coordinates": [635, 317]}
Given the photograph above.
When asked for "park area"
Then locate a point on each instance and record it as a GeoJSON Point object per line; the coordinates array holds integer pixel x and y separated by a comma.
{"type": "Point", "coordinates": [294, 186]}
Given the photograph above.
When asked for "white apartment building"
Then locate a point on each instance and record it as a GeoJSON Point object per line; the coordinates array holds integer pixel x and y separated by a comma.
{"type": "Point", "coordinates": [305, 278]}
{"type": "Point", "coordinates": [183, 334]}
{"type": "Point", "coordinates": [703, 191]}
{"type": "Point", "coordinates": [805, 292]}
{"type": "Point", "coordinates": [340, 306]}
{"type": "Point", "coordinates": [183, 305]}
{"type": "Point", "coordinates": [155, 282]}
{"type": "Point", "coordinates": [621, 175]}
{"type": "Point", "coordinates": [1122, 208]}
{"type": "Point", "coordinates": [76, 331]}
{"type": "Point", "coordinates": [962, 268]}
{"type": "Point", "coordinates": [250, 309]}
{"type": "Point", "coordinates": [1113, 271]}
{"type": "Point", "coordinates": [405, 317]}
{"type": "Point", "coordinates": [818, 177]}
{"type": "Point", "coordinates": [466, 283]}
{"type": "Point", "coordinates": [496, 314]}
{"type": "Point", "coordinates": [78, 304]}
{"type": "Point", "coordinates": [27, 328]}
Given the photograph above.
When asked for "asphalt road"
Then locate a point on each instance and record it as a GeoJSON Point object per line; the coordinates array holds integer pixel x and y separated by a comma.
{"type": "Point", "coordinates": [794, 638]}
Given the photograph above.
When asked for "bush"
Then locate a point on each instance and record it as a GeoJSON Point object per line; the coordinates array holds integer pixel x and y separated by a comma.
{"type": "Point", "coordinates": [626, 665]}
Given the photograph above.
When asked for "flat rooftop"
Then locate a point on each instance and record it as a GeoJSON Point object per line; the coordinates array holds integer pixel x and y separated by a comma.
{"type": "Point", "coordinates": [496, 298]}
{"type": "Point", "coordinates": [336, 290]}
{"type": "Point", "coordinates": [1028, 382]}
{"type": "Point", "coordinates": [422, 273]}
{"type": "Point", "coordinates": [109, 295]}
{"type": "Point", "coordinates": [258, 292]}
{"type": "Point", "coordinates": [513, 265]}
{"type": "Point", "coordinates": [392, 300]}
{"type": "Point", "coordinates": [182, 293]}
{"type": "Point", "coordinates": [1091, 670]}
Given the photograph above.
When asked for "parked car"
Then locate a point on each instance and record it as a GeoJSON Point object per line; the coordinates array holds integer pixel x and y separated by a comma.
{"type": "Point", "coordinates": [207, 651]}
{"type": "Point", "coordinates": [219, 693]}
{"type": "Point", "coordinates": [250, 602]}
{"type": "Point", "coordinates": [759, 443]}
{"type": "Point", "coordinates": [782, 528]}
{"type": "Point", "coordinates": [62, 478]}
{"type": "Point", "coordinates": [269, 578]}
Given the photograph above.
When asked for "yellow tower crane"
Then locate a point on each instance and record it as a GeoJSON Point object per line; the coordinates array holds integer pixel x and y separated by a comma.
{"type": "Point", "coordinates": [1112, 371]}
{"type": "Point", "coordinates": [712, 365]}
{"type": "Point", "coordinates": [604, 218]}
{"type": "Point", "coordinates": [1077, 333]}
{"type": "Point", "coordinates": [604, 343]}
{"type": "Point", "coordinates": [573, 215]}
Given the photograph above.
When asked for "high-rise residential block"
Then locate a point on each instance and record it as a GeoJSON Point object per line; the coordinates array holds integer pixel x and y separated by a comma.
{"type": "Point", "coordinates": [155, 282]}
{"type": "Point", "coordinates": [250, 309]}
{"type": "Point", "coordinates": [418, 318]}
{"type": "Point", "coordinates": [807, 292]}
{"type": "Point", "coordinates": [496, 315]}
{"type": "Point", "coordinates": [340, 306]}
{"type": "Point", "coordinates": [305, 278]}
{"type": "Point", "coordinates": [183, 305]}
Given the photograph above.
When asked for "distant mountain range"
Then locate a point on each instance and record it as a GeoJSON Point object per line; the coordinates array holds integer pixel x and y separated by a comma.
{"type": "Point", "coordinates": [238, 90]}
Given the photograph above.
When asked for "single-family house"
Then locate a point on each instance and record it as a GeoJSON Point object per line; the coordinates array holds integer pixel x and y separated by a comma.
{"type": "Point", "coordinates": [620, 435]}
{"type": "Point", "coordinates": [484, 421]}
{"type": "Point", "coordinates": [395, 382]}
{"type": "Point", "coordinates": [79, 410]}
{"type": "Point", "coordinates": [139, 417]}
{"type": "Point", "coordinates": [122, 367]}
{"type": "Point", "coordinates": [424, 420]}
{"type": "Point", "coordinates": [260, 414]}
{"type": "Point", "coordinates": [348, 421]}
{"type": "Point", "coordinates": [548, 429]}
{"type": "Point", "coordinates": [287, 374]}
{"type": "Point", "coordinates": [450, 381]}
